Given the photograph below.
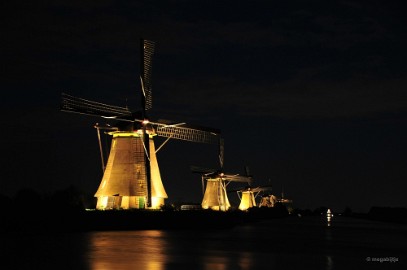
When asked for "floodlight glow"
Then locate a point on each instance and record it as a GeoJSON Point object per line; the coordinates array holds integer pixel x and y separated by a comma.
{"type": "Point", "coordinates": [247, 200]}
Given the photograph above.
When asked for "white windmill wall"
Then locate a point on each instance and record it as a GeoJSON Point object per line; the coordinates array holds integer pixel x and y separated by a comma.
{"type": "Point", "coordinates": [215, 196]}
{"type": "Point", "coordinates": [124, 182]}
{"type": "Point", "coordinates": [247, 201]}
{"type": "Point", "coordinates": [158, 193]}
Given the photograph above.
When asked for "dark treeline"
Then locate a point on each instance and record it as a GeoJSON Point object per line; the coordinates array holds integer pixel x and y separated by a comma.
{"type": "Point", "coordinates": [69, 199]}
{"type": "Point", "coordinates": [29, 210]}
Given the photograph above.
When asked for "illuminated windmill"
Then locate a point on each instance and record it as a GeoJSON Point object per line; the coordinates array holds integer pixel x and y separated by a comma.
{"type": "Point", "coordinates": [248, 196]}
{"type": "Point", "coordinates": [270, 200]}
{"type": "Point", "coordinates": [131, 177]}
{"type": "Point", "coordinates": [215, 194]}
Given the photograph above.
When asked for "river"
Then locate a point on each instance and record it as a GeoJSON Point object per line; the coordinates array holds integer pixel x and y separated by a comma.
{"type": "Point", "coordinates": [286, 243]}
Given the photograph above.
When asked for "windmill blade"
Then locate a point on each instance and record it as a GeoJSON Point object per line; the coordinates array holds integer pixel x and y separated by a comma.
{"type": "Point", "coordinates": [247, 170]}
{"type": "Point", "coordinates": [238, 178]}
{"type": "Point", "coordinates": [147, 52]}
{"type": "Point", "coordinates": [186, 133]}
{"type": "Point", "coordinates": [261, 188]}
{"type": "Point", "coordinates": [221, 152]}
{"type": "Point", "coordinates": [239, 189]}
{"type": "Point", "coordinates": [170, 122]}
{"type": "Point", "coordinates": [80, 105]}
{"type": "Point", "coordinates": [181, 131]}
{"type": "Point", "coordinates": [202, 170]}
{"type": "Point", "coordinates": [253, 189]}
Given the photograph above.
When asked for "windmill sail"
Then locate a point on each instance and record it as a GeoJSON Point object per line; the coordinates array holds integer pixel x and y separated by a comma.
{"type": "Point", "coordinates": [188, 134]}
{"type": "Point", "coordinates": [80, 105]}
{"type": "Point", "coordinates": [146, 73]}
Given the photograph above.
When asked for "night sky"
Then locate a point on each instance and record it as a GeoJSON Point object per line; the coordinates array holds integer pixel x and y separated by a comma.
{"type": "Point", "coordinates": [311, 95]}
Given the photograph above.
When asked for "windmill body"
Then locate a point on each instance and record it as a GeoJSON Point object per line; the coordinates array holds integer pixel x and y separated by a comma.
{"type": "Point", "coordinates": [215, 196]}
{"type": "Point", "coordinates": [131, 178]}
{"type": "Point", "coordinates": [247, 201]}
{"type": "Point", "coordinates": [124, 182]}
{"type": "Point", "coordinates": [268, 201]}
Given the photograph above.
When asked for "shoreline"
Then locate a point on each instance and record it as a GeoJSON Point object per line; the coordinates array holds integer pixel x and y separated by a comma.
{"type": "Point", "coordinates": [112, 220]}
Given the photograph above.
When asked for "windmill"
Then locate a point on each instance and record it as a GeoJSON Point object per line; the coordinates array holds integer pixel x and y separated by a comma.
{"type": "Point", "coordinates": [131, 177]}
{"type": "Point", "coordinates": [270, 200]}
{"type": "Point", "coordinates": [248, 196]}
{"type": "Point", "coordinates": [215, 194]}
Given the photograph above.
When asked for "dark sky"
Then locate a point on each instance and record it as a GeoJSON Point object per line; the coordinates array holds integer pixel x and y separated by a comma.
{"type": "Point", "coordinates": [311, 95]}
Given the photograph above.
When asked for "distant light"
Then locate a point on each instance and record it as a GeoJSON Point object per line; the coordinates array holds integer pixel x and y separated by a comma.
{"type": "Point", "coordinates": [329, 215]}
{"type": "Point", "coordinates": [145, 121]}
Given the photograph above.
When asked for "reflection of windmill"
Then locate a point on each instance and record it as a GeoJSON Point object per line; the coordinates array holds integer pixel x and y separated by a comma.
{"type": "Point", "coordinates": [215, 195]}
{"type": "Point", "coordinates": [131, 178]}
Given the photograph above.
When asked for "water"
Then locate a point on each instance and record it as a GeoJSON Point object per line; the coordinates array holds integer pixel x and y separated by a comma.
{"type": "Point", "coordinates": [290, 243]}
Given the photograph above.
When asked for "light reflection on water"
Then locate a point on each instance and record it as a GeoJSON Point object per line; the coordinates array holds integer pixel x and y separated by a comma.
{"type": "Point", "coordinates": [128, 249]}
{"type": "Point", "coordinates": [294, 243]}
{"type": "Point", "coordinates": [157, 250]}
